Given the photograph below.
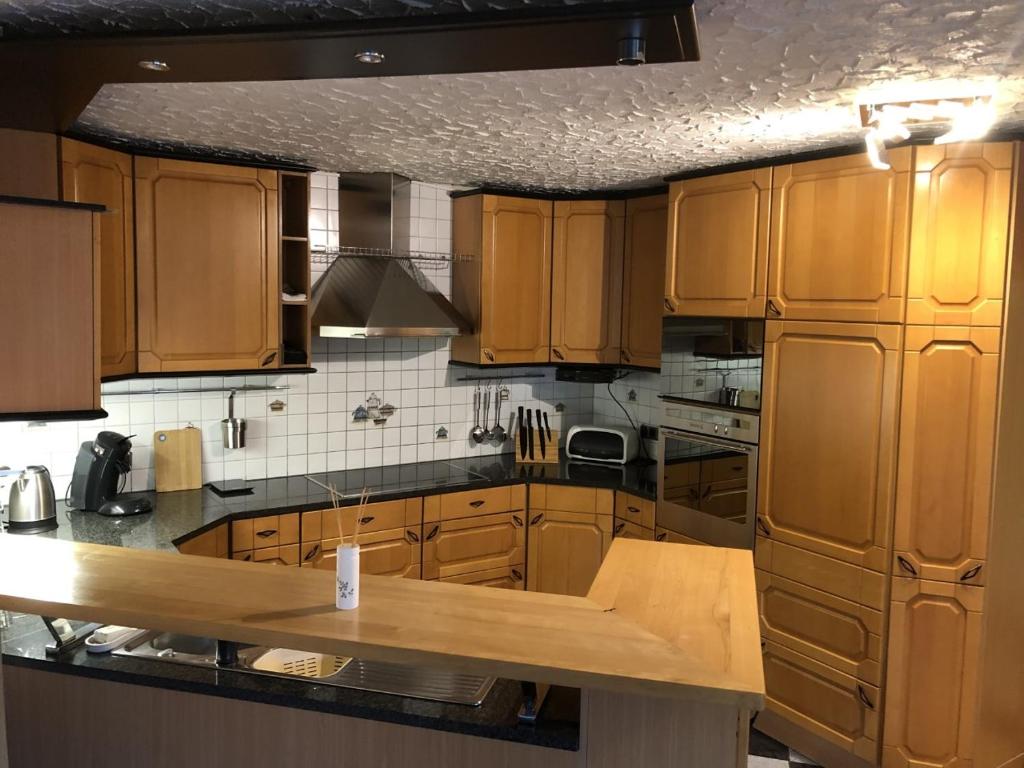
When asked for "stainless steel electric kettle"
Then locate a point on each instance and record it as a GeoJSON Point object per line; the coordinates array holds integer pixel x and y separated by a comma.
{"type": "Point", "coordinates": [32, 506]}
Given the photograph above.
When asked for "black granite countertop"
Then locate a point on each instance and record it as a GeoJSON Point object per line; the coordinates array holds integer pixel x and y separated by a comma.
{"type": "Point", "coordinates": [24, 640]}
{"type": "Point", "coordinates": [181, 514]}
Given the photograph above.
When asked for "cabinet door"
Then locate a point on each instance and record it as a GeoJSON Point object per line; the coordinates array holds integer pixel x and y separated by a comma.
{"type": "Point", "coordinates": [565, 550]}
{"type": "Point", "coordinates": [395, 552]}
{"type": "Point", "coordinates": [465, 545]}
{"type": "Point", "coordinates": [505, 577]}
{"type": "Point", "coordinates": [839, 239]}
{"type": "Point", "coordinates": [842, 634]}
{"type": "Point", "coordinates": [515, 291]}
{"type": "Point", "coordinates": [623, 529]}
{"type": "Point", "coordinates": [664, 534]}
{"type": "Point", "coordinates": [642, 285]}
{"type": "Point", "coordinates": [828, 439]}
{"type": "Point", "coordinates": [959, 234]}
{"type": "Point", "coordinates": [947, 434]}
{"type": "Point", "coordinates": [718, 245]}
{"type": "Point", "coordinates": [934, 642]}
{"type": "Point", "coordinates": [49, 309]}
{"type": "Point", "coordinates": [208, 274]}
{"type": "Point", "coordinates": [98, 175]}
{"type": "Point", "coordinates": [834, 706]}
{"type": "Point", "coordinates": [212, 543]}
{"type": "Point", "coordinates": [586, 288]}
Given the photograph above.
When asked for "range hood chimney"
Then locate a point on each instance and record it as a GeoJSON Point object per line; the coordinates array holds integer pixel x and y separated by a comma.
{"type": "Point", "coordinates": [372, 288]}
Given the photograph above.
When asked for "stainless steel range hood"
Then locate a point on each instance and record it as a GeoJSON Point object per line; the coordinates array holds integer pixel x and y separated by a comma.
{"type": "Point", "coordinates": [372, 289]}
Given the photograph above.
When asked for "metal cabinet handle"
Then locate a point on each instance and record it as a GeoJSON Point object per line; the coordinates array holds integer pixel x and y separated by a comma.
{"type": "Point", "coordinates": [312, 553]}
{"type": "Point", "coordinates": [660, 536]}
{"type": "Point", "coordinates": [412, 536]}
{"type": "Point", "coordinates": [266, 534]}
{"type": "Point", "coordinates": [670, 305]}
{"type": "Point", "coordinates": [268, 359]}
{"type": "Point", "coordinates": [863, 696]}
{"type": "Point", "coordinates": [517, 521]}
{"type": "Point", "coordinates": [516, 575]}
{"type": "Point", "coordinates": [433, 532]}
{"type": "Point", "coordinates": [537, 519]}
{"type": "Point", "coordinates": [625, 356]}
{"type": "Point", "coordinates": [489, 355]}
{"type": "Point", "coordinates": [477, 504]}
{"type": "Point", "coordinates": [557, 353]}
{"type": "Point", "coordinates": [634, 510]}
{"type": "Point", "coordinates": [906, 565]}
{"type": "Point", "coordinates": [773, 310]}
{"type": "Point", "coordinates": [970, 573]}
{"type": "Point", "coordinates": [366, 520]}
{"type": "Point", "coordinates": [762, 526]}
{"type": "Point", "coordinates": [618, 529]}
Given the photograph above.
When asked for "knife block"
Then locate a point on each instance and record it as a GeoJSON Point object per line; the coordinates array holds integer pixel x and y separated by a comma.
{"type": "Point", "coordinates": [550, 448]}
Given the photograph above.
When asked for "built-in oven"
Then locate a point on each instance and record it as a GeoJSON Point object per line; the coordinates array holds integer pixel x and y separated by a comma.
{"type": "Point", "coordinates": [707, 473]}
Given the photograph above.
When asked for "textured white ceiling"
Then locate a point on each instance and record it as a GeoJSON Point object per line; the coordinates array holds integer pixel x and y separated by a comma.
{"type": "Point", "coordinates": [776, 76]}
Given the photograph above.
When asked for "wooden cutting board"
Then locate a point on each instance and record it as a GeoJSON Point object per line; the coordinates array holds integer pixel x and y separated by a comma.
{"type": "Point", "coordinates": [177, 459]}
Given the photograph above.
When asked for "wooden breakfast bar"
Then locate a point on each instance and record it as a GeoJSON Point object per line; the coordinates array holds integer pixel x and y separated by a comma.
{"type": "Point", "coordinates": [665, 650]}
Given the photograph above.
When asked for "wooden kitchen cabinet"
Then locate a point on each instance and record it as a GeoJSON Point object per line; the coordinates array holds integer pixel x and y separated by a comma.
{"type": "Point", "coordinates": [934, 646]}
{"type": "Point", "coordinates": [505, 577]}
{"type": "Point", "coordinates": [92, 174]}
{"type": "Point", "coordinates": [959, 233]}
{"type": "Point", "coordinates": [586, 283]}
{"type": "Point", "coordinates": [947, 436]}
{"type": "Point", "coordinates": [396, 552]}
{"type": "Point", "coordinates": [839, 239]}
{"type": "Point", "coordinates": [671, 537]}
{"type": "Point", "coordinates": [634, 509]}
{"type": "Point", "coordinates": [30, 166]}
{"type": "Point", "coordinates": [211, 543]}
{"type": "Point", "coordinates": [207, 253]}
{"type": "Point", "coordinates": [503, 287]}
{"type": "Point", "coordinates": [463, 546]}
{"type": "Point", "coordinates": [642, 283]}
{"type": "Point", "coordinates": [262, 532]}
{"type": "Point", "coordinates": [50, 309]}
{"type": "Point", "coordinates": [831, 705]}
{"type": "Point", "coordinates": [717, 257]}
{"type": "Point", "coordinates": [570, 530]}
{"type": "Point", "coordinates": [828, 438]}
{"type": "Point", "coordinates": [623, 529]}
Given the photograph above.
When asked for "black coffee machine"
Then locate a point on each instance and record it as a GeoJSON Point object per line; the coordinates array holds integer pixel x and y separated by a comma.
{"type": "Point", "coordinates": [98, 477]}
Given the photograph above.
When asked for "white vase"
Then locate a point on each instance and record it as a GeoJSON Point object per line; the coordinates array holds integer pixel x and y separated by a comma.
{"type": "Point", "coordinates": [347, 582]}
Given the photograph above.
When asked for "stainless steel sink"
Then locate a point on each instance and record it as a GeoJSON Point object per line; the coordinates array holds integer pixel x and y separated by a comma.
{"type": "Point", "coordinates": [322, 669]}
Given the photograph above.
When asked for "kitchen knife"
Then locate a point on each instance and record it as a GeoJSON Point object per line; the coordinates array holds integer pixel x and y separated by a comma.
{"type": "Point", "coordinates": [540, 428]}
{"type": "Point", "coordinates": [522, 434]}
{"type": "Point", "coordinates": [529, 429]}
{"type": "Point", "coordinates": [547, 426]}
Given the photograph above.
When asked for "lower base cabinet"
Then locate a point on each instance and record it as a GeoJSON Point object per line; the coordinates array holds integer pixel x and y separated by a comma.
{"type": "Point", "coordinates": [833, 706]}
{"type": "Point", "coordinates": [394, 552]}
{"type": "Point", "coordinates": [664, 534]}
{"type": "Point", "coordinates": [475, 547]}
{"type": "Point", "coordinates": [566, 550]}
{"type": "Point", "coordinates": [624, 529]}
{"type": "Point", "coordinates": [934, 647]}
{"type": "Point", "coordinates": [212, 543]}
{"type": "Point", "coordinates": [506, 577]}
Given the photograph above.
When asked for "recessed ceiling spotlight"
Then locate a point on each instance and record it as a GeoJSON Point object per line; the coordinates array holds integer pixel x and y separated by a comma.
{"type": "Point", "coordinates": [370, 57]}
{"type": "Point", "coordinates": [155, 65]}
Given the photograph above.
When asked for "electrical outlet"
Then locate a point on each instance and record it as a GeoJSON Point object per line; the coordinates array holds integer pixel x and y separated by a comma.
{"type": "Point", "coordinates": [648, 432]}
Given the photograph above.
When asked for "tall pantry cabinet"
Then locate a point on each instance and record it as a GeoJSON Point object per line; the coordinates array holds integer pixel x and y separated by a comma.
{"type": "Point", "coordinates": [875, 508]}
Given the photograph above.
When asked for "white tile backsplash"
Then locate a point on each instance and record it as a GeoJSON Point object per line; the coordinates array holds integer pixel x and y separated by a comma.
{"type": "Point", "coordinates": [315, 431]}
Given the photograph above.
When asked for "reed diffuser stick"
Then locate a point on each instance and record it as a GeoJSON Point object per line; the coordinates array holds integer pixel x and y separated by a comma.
{"type": "Point", "coordinates": [337, 514]}
{"type": "Point", "coordinates": [359, 515]}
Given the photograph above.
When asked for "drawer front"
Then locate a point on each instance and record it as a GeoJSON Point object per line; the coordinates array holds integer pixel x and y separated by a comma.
{"type": "Point", "coordinates": [455, 506]}
{"type": "Point", "coordinates": [838, 708]}
{"type": "Point", "coordinates": [664, 534]}
{"type": "Point", "coordinates": [842, 634]}
{"type": "Point", "coordinates": [468, 545]}
{"type": "Point", "coordinates": [382, 553]}
{"type": "Point", "coordinates": [379, 516]}
{"type": "Point", "coordinates": [507, 577]}
{"type": "Point", "coordinates": [264, 532]}
{"type": "Point", "coordinates": [570, 498]}
{"type": "Point", "coordinates": [624, 529]}
{"type": "Point", "coordinates": [634, 509]}
{"type": "Point", "coordinates": [845, 580]}
{"type": "Point", "coordinates": [287, 554]}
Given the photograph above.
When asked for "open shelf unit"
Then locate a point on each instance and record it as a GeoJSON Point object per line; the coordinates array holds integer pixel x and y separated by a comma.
{"type": "Point", "coordinates": [295, 274]}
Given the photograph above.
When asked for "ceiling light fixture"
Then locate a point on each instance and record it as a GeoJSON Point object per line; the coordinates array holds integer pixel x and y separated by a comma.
{"type": "Point", "coordinates": [370, 57]}
{"type": "Point", "coordinates": [968, 118]}
{"type": "Point", "coordinates": [155, 65]}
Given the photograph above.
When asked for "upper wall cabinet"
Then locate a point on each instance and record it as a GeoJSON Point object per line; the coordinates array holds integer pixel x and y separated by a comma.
{"type": "Point", "coordinates": [96, 175]}
{"type": "Point", "coordinates": [208, 266]}
{"type": "Point", "coordinates": [586, 285]}
{"type": "Point", "coordinates": [839, 239]}
{"type": "Point", "coordinates": [50, 309]}
{"type": "Point", "coordinates": [504, 291]}
{"type": "Point", "coordinates": [959, 235]}
{"type": "Point", "coordinates": [718, 245]}
{"type": "Point", "coordinates": [642, 285]}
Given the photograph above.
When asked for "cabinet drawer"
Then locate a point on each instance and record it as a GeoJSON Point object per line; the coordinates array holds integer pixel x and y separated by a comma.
{"type": "Point", "coordinates": [569, 498]}
{"type": "Point", "coordinates": [506, 577]}
{"type": "Point", "coordinates": [839, 708]}
{"type": "Point", "coordinates": [842, 634]}
{"type": "Point", "coordinates": [634, 509]}
{"type": "Point", "coordinates": [395, 552]}
{"type": "Point", "coordinates": [467, 545]}
{"type": "Point", "coordinates": [664, 534]}
{"type": "Point", "coordinates": [263, 532]}
{"type": "Point", "coordinates": [624, 529]}
{"type": "Point", "coordinates": [835, 577]}
{"type": "Point", "coordinates": [287, 554]}
{"type": "Point", "coordinates": [484, 501]}
{"type": "Point", "coordinates": [379, 516]}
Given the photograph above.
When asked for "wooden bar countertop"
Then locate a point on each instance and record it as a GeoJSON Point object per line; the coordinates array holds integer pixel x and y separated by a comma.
{"type": "Point", "coordinates": [660, 619]}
